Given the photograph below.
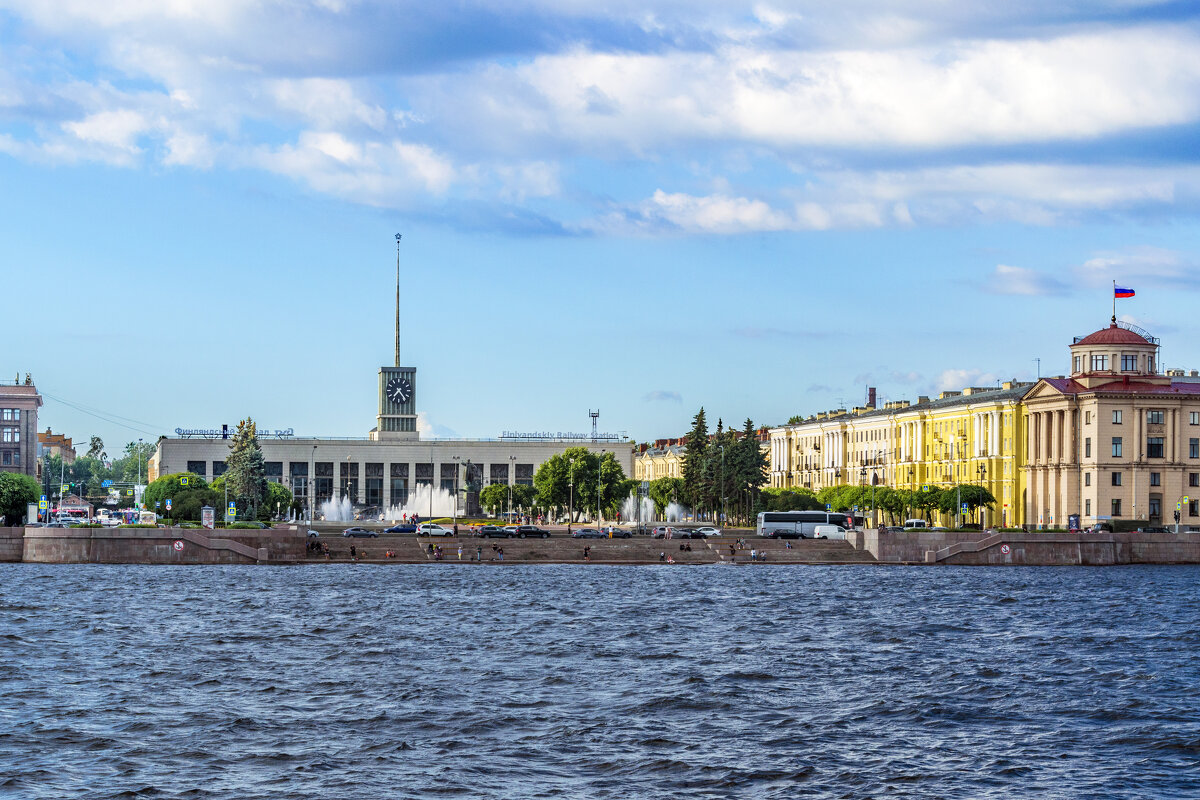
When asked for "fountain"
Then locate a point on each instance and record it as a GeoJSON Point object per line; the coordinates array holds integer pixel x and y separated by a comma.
{"type": "Point", "coordinates": [677, 513]}
{"type": "Point", "coordinates": [629, 509]}
{"type": "Point", "coordinates": [337, 509]}
{"type": "Point", "coordinates": [426, 502]}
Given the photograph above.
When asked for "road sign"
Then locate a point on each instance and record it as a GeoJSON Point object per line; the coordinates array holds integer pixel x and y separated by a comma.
{"type": "Point", "coordinates": [178, 545]}
{"type": "Point", "coordinates": [965, 508]}
{"type": "Point", "coordinates": [829, 507]}
{"type": "Point", "coordinates": [168, 504]}
{"type": "Point", "coordinates": [43, 498]}
{"type": "Point", "coordinates": [854, 509]}
{"type": "Point", "coordinates": [43, 505]}
{"type": "Point", "coordinates": [1185, 499]}
{"type": "Point", "coordinates": [156, 504]}
{"type": "Point", "coordinates": [1005, 549]}
{"type": "Point", "coordinates": [1179, 506]}
{"type": "Point", "coordinates": [183, 480]}
{"type": "Point", "coordinates": [104, 484]}
{"type": "Point", "coordinates": [65, 489]}
{"type": "Point", "coordinates": [129, 492]}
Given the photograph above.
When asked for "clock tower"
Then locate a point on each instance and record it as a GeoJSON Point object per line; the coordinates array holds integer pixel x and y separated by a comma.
{"type": "Point", "coordinates": [397, 418]}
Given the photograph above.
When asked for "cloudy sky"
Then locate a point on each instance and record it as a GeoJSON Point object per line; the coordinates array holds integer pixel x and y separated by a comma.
{"type": "Point", "coordinates": [761, 208]}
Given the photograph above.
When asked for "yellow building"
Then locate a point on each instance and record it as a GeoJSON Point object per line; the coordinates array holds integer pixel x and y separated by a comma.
{"type": "Point", "coordinates": [659, 462]}
{"type": "Point", "coordinates": [974, 436]}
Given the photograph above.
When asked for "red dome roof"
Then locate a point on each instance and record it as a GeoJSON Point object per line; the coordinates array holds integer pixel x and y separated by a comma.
{"type": "Point", "coordinates": [1113, 335]}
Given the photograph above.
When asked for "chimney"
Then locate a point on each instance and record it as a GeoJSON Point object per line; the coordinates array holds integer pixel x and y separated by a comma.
{"type": "Point", "coordinates": [871, 397]}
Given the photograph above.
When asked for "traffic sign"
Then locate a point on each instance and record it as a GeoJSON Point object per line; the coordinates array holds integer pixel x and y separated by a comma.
{"type": "Point", "coordinates": [1185, 499]}
{"type": "Point", "coordinates": [104, 484]}
{"type": "Point", "coordinates": [829, 507]}
{"type": "Point", "coordinates": [43, 505]}
{"type": "Point", "coordinates": [178, 545]}
{"type": "Point", "coordinates": [168, 504]}
{"type": "Point", "coordinates": [43, 498]}
{"type": "Point", "coordinates": [1005, 549]}
{"type": "Point", "coordinates": [1179, 506]}
{"type": "Point", "coordinates": [183, 480]}
{"type": "Point", "coordinates": [156, 504]}
{"type": "Point", "coordinates": [925, 487]}
{"type": "Point", "coordinates": [65, 488]}
{"type": "Point", "coordinates": [965, 508]}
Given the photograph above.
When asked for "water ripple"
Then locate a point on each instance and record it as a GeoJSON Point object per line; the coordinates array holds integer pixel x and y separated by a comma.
{"type": "Point", "coordinates": [361, 681]}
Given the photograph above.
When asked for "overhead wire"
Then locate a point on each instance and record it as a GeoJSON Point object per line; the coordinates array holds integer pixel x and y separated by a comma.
{"type": "Point", "coordinates": [140, 426]}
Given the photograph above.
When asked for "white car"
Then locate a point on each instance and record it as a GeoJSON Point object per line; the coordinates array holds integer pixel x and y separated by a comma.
{"type": "Point", "coordinates": [433, 529]}
{"type": "Point", "coordinates": [829, 532]}
{"type": "Point", "coordinates": [706, 532]}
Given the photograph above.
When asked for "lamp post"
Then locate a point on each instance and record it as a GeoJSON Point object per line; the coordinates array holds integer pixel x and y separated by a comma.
{"type": "Point", "coordinates": [911, 489]}
{"type": "Point", "coordinates": [312, 483]}
{"type": "Point", "coordinates": [599, 482]}
{"type": "Point", "coordinates": [512, 469]}
{"type": "Point", "coordinates": [135, 486]}
{"type": "Point", "coordinates": [862, 481]}
{"type": "Point", "coordinates": [456, 460]}
{"type": "Point", "coordinates": [981, 471]}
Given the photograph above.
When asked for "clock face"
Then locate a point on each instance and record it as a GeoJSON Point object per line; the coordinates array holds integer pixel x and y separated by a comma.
{"type": "Point", "coordinates": [399, 390]}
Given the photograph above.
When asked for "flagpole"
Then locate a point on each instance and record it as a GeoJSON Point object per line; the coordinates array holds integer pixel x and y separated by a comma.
{"type": "Point", "coordinates": [1114, 316]}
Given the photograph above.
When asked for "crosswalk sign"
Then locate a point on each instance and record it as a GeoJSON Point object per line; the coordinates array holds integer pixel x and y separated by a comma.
{"type": "Point", "coordinates": [183, 480]}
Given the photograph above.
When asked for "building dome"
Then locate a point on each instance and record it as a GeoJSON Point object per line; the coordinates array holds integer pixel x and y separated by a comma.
{"type": "Point", "coordinates": [1114, 335]}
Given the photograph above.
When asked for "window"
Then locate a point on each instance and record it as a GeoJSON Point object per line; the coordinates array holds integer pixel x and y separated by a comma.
{"type": "Point", "coordinates": [1076, 363]}
{"type": "Point", "coordinates": [196, 467]}
{"type": "Point", "coordinates": [6, 414]}
{"type": "Point", "coordinates": [1156, 479]}
{"type": "Point", "coordinates": [1116, 447]}
{"type": "Point", "coordinates": [1194, 418]}
{"type": "Point", "coordinates": [1154, 447]}
{"type": "Point", "coordinates": [1193, 448]}
{"type": "Point", "coordinates": [1128, 363]}
{"type": "Point", "coordinates": [218, 469]}
{"type": "Point", "coordinates": [1116, 479]}
{"type": "Point", "coordinates": [6, 458]}
{"type": "Point", "coordinates": [1149, 363]}
{"type": "Point", "coordinates": [1154, 417]}
{"type": "Point", "coordinates": [1116, 507]}
{"type": "Point", "coordinates": [11, 435]}
{"type": "Point", "coordinates": [1193, 508]}
{"type": "Point", "coordinates": [1087, 447]}
{"type": "Point", "coordinates": [1087, 479]}
{"type": "Point", "coordinates": [1099, 363]}
{"type": "Point", "coordinates": [1087, 508]}
{"type": "Point", "coordinates": [1194, 479]}
{"type": "Point", "coordinates": [1155, 506]}
{"type": "Point", "coordinates": [1117, 417]}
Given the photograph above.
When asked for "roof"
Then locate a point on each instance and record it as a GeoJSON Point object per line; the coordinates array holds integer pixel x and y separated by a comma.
{"type": "Point", "coordinates": [977, 397]}
{"type": "Point", "coordinates": [1069, 386]}
{"type": "Point", "coordinates": [1114, 335]}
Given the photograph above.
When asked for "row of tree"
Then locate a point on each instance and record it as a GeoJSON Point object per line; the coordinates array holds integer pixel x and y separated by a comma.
{"type": "Point", "coordinates": [724, 472]}
{"type": "Point", "coordinates": [895, 505]}
{"type": "Point", "coordinates": [580, 482]}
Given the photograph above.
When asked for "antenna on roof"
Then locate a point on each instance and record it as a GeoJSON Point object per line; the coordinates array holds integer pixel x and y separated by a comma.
{"type": "Point", "coordinates": [1039, 368]}
{"type": "Point", "coordinates": [398, 299]}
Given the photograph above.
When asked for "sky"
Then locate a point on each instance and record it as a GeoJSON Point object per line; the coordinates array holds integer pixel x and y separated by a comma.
{"type": "Point", "coordinates": [642, 208]}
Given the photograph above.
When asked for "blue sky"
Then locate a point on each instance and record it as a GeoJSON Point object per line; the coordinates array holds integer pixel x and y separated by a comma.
{"type": "Point", "coordinates": [760, 208]}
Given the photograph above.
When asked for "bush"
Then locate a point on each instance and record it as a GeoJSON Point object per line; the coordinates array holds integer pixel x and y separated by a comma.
{"type": "Point", "coordinates": [186, 501]}
{"type": "Point", "coordinates": [17, 491]}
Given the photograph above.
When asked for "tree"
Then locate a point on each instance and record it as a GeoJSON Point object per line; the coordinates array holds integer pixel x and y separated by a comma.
{"type": "Point", "coordinates": [695, 472]}
{"type": "Point", "coordinates": [578, 467]}
{"type": "Point", "coordinates": [665, 491]}
{"type": "Point", "coordinates": [278, 500]}
{"type": "Point", "coordinates": [96, 449]}
{"type": "Point", "coordinates": [246, 471]}
{"type": "Point", "coordinates": [494, 498]}
{"type": "Point", "coordinates": [186, 500]}
{"type": "Point", "coordinates": [17, 491]}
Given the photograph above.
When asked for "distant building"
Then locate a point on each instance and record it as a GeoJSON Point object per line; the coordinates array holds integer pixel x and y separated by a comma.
{"type": "Point", "coordinates": [19, 402]}
{"type": "Point", "coordinates": [55, 444]}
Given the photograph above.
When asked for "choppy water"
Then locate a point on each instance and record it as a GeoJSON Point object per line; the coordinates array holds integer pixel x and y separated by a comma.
{"type": "Point", "coordinates": [358, 681]}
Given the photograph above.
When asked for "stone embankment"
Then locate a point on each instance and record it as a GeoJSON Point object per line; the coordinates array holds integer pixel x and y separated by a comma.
{"type": "Point", "coordinates": [561, 549]}
{"type": "Point", "coordinates": [1033, 548]}
{"type": "Point", "coordinates": [151, 546]}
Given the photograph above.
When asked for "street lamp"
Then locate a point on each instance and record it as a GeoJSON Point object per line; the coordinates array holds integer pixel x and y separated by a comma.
{"type": "Point", "coordinates": [911, 488]}
{"type": "Point", "coordinates": [599, 481]}
{"type": "Point", "coordinates": [312, 483]}
{"type": "Point", "coordinates": [981, 471]}
{"type": "Point", "coordinates": [862, 481]}
{"type": "Point", "coordinates": [512, 469]}
{"type": "Point", "coordinates": [456, 460]}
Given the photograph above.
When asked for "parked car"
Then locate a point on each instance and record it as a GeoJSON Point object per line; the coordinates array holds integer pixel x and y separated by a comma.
{"type": "Point", "coordinates": [829, 532]}
{"type": "Point", "coordinates": [708, 531]}
{"type": "Point", "coordinates": [433, 529]}
{"type": "Point", "coordinates": [666, 531]}
{"type": "Point", "coordinates": [614, 532]}
{"type": "Point", "coordinates": [494, 532]}
{"type": "Point", "coordinates": [531, 531]}
{"type": "Point", "coordinates": [1153, 529]}
{"type": "Point", "coordinates": [783, 533]}
{"type": "Point", "coordinates": [588, 533]}
{"type": "Point", "coordinates": [359, 533]}
{"type": "Point", "coordinates": [403, 527]}
{"type": "Point", "coordinates": [313, 533]}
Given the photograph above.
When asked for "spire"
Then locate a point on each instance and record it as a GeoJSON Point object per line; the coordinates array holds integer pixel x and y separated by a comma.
{"type": "Point", "coordinates": [397, 299]}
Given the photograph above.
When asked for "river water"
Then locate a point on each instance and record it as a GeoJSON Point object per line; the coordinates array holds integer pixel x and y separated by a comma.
{"type": "Point", "coordinates": [359, 681]}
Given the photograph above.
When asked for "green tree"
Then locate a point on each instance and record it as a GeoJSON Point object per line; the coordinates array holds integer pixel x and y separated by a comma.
{"type": "Point", "coordinates": [96, 449]}
{"type": "Point", "coordinates": [665, 491]}
{"type": "Point", "coordinates": [246, 471]}
{"type": "Point", "coordinates": [133, 462]}
{"type": "Point", "coordinates": [17, 491]}
{"type": "Point", "coordinates": [968, 494]}
{"type": "Point", "coordinates": [186, 501]}
{"type": "Point", "coordinates": [695, 462]}
{"type": "Point", "coordinates": [751, 466]}
{"type": "Point", "coordinates": [278, 500]}
{"type": "Point", "coordinates": [578, 467]}
{"type": "Point", "coordinates": [494, 498]}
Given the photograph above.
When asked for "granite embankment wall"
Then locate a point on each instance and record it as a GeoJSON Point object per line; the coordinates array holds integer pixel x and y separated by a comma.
{"type": "Point", "coordinates": [12, 542]}
{"type": "Point", "coordinates": [1033, 548]}
{"type": "Point", "coordinates": [157, 546]}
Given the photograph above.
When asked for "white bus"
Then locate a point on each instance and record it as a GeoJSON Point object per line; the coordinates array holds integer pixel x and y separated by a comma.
{"type": "Point", "coordinates": [800, 524]}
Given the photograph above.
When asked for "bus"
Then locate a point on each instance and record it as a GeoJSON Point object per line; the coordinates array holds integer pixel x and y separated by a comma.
{"type": "Point", "coordinates": [801, 523]}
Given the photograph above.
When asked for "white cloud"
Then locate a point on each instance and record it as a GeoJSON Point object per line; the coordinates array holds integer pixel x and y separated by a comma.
{"type": "Point", "coordinates": [1022, 281]}
{"type": "Point", "coordinates": [1141, 266]}
{"type": "Point", "coordinates": [953, 380]}
{"type": "Point", "coordinates": [326, 103]}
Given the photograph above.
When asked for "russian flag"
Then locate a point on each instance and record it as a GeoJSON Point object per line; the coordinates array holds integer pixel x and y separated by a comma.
{"type": "Point", "coordinates": [1121, 291]}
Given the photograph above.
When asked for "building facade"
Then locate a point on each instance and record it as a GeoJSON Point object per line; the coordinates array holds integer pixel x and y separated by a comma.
{"type": "Point", "coordinates": [55, 444]}
{"type": "Point", "coordinates": [1116, 440]}
{"type": "Point", "coordinates": [971, 436]}
{"type": "Point", "coordinates": [659, 462]}
{"type": "Point", "coordinates": [19, 404]}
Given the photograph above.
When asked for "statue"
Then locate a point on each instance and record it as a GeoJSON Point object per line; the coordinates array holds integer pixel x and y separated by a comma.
{"type": "Point", "coordinates": [28, 380]}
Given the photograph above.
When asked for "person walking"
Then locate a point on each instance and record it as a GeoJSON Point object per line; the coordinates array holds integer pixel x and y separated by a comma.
{"type": "Point", "coordinates": [587, 553]}
{"type": "Point", "coordinates": [353, 553]}
{"type": "Point", "coordinates": [479, 553]}
{"type": "Point", "coordinates": [500, 552]}
{"type": "Point", "coordinates": [460, 552]}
